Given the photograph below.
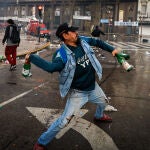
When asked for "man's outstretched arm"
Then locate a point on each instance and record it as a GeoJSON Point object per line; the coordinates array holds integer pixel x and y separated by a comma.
{"type": "Point", "coordinates": [55, 66]}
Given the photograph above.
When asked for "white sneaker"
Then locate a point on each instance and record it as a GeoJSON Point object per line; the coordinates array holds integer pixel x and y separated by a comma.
{"type": "Point", "coordinates": [110, 108]}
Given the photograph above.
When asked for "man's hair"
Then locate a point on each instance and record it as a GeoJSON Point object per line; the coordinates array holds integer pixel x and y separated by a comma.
{"type": "Point", "coordinates": [61, 36]}
{"type": "Point", "coordinates": [10, 21]}
{"type": "Point", "coordinates": [96, 27]}
{"type": "Point", "coordinates": [64, 28]}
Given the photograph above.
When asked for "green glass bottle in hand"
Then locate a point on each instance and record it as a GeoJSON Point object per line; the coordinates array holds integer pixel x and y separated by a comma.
{"type": "Point", "coordinates": [122, 57]}
{"type": "Point", "coordinates": [26, 69]}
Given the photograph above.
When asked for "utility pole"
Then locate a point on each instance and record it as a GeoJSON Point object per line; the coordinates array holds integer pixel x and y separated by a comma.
{"type": "Point", "coordinates": [40, 9]}
{"type": "Point", "coordinates": [17, 2]}
{"type": "Point", "coordinates": [141, 22]}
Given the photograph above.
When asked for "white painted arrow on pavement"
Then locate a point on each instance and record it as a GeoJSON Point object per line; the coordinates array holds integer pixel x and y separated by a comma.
{"type": "Point", "coordinates": [95, 136]}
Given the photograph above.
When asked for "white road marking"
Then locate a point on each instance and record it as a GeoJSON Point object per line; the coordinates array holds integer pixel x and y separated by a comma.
{"type": "Point", "coordinates": [20, 95]}
{"type": "Point", "coordinates": [14, 98]}
{"type": "Point", "coordinates": [95, 136]}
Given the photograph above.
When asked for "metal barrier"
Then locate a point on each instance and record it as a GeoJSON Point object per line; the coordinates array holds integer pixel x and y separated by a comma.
{"type": "Point", "coordinates": [116, 37]}
{"type": "Point", "coordinates": [121, 38]}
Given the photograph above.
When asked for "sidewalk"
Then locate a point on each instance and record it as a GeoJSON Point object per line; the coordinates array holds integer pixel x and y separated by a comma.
{"type": "Point", "coordinates": [27, 43]}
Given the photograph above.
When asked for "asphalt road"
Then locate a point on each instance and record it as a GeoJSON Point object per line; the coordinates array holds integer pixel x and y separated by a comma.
{"type": "Point", "coordinates": [28, 105]}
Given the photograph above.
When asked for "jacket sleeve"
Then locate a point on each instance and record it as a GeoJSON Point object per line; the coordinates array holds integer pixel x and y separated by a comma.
{"type": "Point", "coordinates": [98, 43]}
{"type": "Point", "coordinates": [101, 32]}
{"type": "Point", "coordinates": [6, 36]}
{"type": "Point", "coordinates": [55, 66]}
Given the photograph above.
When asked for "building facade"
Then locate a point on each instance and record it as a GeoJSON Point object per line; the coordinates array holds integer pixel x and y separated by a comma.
{"type": "Point", "coordinates": [112, 15]}
{"type": "Point", "coordinates": [144, 11]}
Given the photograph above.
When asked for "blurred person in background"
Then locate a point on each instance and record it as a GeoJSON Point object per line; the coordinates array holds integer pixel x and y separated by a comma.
{"type": "Point", "coordinates": [12, 39]}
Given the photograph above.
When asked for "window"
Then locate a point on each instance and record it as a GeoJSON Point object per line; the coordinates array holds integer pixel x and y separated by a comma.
{"type": "Point", "coordinates": [143, 9]}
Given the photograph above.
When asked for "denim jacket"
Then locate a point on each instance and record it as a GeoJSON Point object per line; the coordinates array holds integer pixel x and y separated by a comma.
{"type": "Point", "coordinates": [68, 69]}
{"type": "Point", "coordinates": [67, 74]}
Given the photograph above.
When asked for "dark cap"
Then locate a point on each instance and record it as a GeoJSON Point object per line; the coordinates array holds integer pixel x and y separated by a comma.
{"type": "Point", "coordinates": [65, 28]}
{"type": "Point", "coordinates": [10, 21]}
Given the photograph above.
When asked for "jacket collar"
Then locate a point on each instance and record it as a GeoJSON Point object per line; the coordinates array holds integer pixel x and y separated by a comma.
{"type": "Point", "coordinates": [84, 44]}
{"type": "Point", "coordinates": [68, 51]}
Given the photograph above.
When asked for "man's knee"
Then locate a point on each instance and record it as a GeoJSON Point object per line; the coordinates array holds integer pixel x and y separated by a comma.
{"type": "Point", "coordinates": [64, 122]}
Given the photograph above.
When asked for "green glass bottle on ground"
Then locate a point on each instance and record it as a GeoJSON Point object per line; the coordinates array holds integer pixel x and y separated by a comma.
{"type": "Point", "coordinates": [1, 58]}
{"type": "Point", "coordinates": [26, 70]}
{"type": "Point", "coordinates": [122, 57]}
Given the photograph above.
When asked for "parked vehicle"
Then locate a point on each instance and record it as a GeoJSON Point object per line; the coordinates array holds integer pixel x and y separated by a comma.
{"type": "Point", "coordinates": [36, 28]}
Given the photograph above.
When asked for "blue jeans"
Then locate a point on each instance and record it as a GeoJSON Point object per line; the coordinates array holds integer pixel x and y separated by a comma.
{"type": "Point", "coordinates": [76, 99]}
